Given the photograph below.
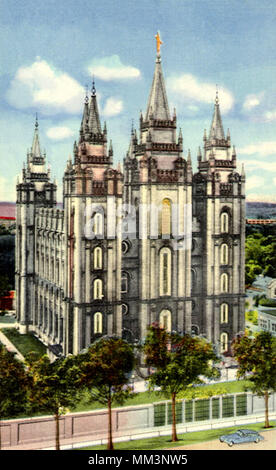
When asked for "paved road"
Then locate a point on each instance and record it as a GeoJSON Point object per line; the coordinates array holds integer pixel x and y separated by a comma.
{"type": "Point", "coordinates": [269, 443]}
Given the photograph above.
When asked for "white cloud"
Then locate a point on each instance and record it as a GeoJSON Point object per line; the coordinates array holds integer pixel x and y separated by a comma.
{"type": "Point", "coordinates": [270, 115]}
{"type": "Point", "coordinates": [254, 182]}
{"type": "Point", "coordinates": [111, 68]}
{"type": "Point", "coordinates": [49, 90]}
{"type": "Point", "coordinates": [253, 165]}
{"type": "Point", "coordinates": [262, 148]}
{"type": "Point", "coordinates": [113, 106]}
{"type": "Point", "coordinates": [191, 89]}
{"type": "Point", "coordinates": [251, 101]}
{"type": "Point", "coordinates": [59, 133]}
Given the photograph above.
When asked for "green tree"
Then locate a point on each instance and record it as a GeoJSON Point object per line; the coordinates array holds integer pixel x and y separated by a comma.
{"type": "Point", "coordinates": [54, 386]}
{"type": "Point", "coordinates": [105, 372]}
{"type": "Point", "coordinates": [14, 385]}
{"type": "Point", "coordinates": [256, 359]}
{"type": "Point", "coordinates": [179, 361]}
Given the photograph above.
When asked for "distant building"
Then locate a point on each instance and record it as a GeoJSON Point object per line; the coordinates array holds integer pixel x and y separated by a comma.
{"type": "Point", "coordinates": [267, 319]}
{"type": "Point", "coordinates": [174, 255]}
{"type": "Point", "coordinates": [271, 290]}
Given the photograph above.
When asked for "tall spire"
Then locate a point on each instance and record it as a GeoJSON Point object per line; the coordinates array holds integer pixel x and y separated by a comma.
{"type": "Point", "coordinates": [35, 150]}
{"type": "Point", "coordinates": [158, 103]}
{"type": "Point", "coordinates": [216, 130]}
{"type": "Point", "coordinates": [84, 122]}
{"type": "Point", "coordinates": [94, 119]}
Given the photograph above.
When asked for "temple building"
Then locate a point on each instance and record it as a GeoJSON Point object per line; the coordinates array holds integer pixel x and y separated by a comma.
{"type": "Point", "coordinates": [154, 243]}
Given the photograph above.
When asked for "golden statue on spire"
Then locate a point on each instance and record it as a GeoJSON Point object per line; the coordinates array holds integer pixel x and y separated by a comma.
{"type": "Point", "coordinates": [158, 42]}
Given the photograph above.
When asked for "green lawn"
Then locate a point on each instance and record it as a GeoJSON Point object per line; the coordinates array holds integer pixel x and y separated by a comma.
{"type": "Point", "coordinates": [153, 397]}
{"type": "Point", "coordinates": [164, 442]}
{"type": "Point", "coordinates": [24, 343]}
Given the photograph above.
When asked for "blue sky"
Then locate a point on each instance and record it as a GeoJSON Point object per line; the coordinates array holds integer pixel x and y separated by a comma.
{"type": "Point", "coordinates": [50, 49]}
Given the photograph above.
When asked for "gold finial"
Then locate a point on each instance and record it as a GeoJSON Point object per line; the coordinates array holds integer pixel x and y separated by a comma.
{"type": "Point", "coordinates": [158, 42]}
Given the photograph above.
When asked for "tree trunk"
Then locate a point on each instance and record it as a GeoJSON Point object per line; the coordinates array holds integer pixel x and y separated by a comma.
{"type": "Point", "coordinates": [57, 430]}
{"type": "Point", "coordinates": [109, 443]}
{"type": "Point", "coordinates": [174, 435]}
{"type": "Point", "coordinates": [266, 396]}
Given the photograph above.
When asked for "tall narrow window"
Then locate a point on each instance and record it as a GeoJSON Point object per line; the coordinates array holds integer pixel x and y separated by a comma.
{"type": "Point", "coordinates": [166, 218]}
{"type": "Point", "coordinates": [98, 323]}
{"type": "Point", "coordinates": [124, 283]}
{"type": "Point", "coordinates": [165, 320]}
{"type": "Point", "coordinates": [98, 258]}
{"type": "Point", "coordinates": [98, 223]}
{"type": "Point", "coordinates": [224, 253]}
{"type": "Point", "coordinates": [224, 222]}
{"type": "Point", "coordinates": [224, 283]}
{"type": "Point", "coordinates": [224, 313]}
{"type": "Point", "coordinates": [98, 289]}
{"type": "Point", "coordinates": [165, 271]}
{"type": "Point", "coordinates": [223, 342]}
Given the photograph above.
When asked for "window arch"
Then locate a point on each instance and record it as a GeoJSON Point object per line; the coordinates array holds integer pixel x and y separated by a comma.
{"type": "Point", "coordinates": [224, 283]}
{"type": "Point", "coordinates": [98, 322]}
{"type": "Point", "coordinates": [98, 289]}
{"type": "Point", "coordinates": [165, 271]}
{"type": "Point", "coordinates": [98, 257]}
{"type": "Point", "coordinates": [223, 342]}
{"type": "Point", "coordinates": [224, 222]}
{"type": "Point", "coordinates": [165, 320]}
{"type": "Point", "coordinates": [224, 253]}
{"type": "Point", "coordinates": [224, 313]}
{"type": "Point", "coordinates": [166, 218]}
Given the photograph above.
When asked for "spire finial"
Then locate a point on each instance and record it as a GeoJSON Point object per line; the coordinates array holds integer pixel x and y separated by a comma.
{"type": "Point", "coordinates": [93, 87]}
{"type": "Point", "coordinates": [86, 94]}
{"type": "Point", "coordinates": [36, 121]}
{"type": "Point", "coordinates": [158, 42]}
{"type": "Point", "coordinates": [217, 99]}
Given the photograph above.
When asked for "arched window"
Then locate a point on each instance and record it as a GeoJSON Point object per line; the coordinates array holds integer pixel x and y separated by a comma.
{"type": "Point", "coordinates": [98, 258]}
{"type": "Point", "coordinates": [224, 253]}
{"type": "Point", "coordinates": [223, 342]}
{"type": "Point", "coordinates": [98, 289]}
{"type": "Point", "coordinates": [165, 320]}
{"type": "Point", "coordinates": [166, 218]}
{"type": "Point", "coordinates": [224, 313]}
{"type": "Point", "coordinates": [224, 283]}
{"type": "Point", "coordinates": [98, 223]}
{"type": "Point", "coordinates": [165, 271]}
{"type": "Point", "coordinates": [224, 222]}
{"type": "Point", "coordinates": [98, 323]}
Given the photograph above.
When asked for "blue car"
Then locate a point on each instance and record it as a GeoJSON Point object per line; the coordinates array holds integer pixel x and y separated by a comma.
{"type": "Point", "coordinates": [241, 436]}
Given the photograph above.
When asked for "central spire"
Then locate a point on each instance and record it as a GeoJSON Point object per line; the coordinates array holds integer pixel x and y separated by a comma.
{"type": "Point", "coordinates": [35, 150]}
{"type": "Point", "coordinates": [216, 130]}
{"type": "Point", "coordinates": [158, 103]}
{"type": "Point", "coordinates": [94, 123]}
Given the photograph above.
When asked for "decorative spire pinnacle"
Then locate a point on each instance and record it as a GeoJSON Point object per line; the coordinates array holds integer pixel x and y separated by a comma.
{"type": "Point", "coordinates": [158, 103]}
{"type": "Point", "coordinates": [94, 118]}
{"type": "Point", "coordinates": [35, 150]}
{"type": "Point", "coordinates": [216, 130]}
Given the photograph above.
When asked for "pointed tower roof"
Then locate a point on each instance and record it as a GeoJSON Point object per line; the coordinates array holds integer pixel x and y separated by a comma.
{"type": "Point", "coordinates": [35, 150]}
{"type": "Point", "coordinates": [216, 129]}
{"type": "Point", "coordinates": [158, 102]}
{"type": "Point", "coordinates": [94, 123]}
{"type": "Point", "coordinates": [84, 122]}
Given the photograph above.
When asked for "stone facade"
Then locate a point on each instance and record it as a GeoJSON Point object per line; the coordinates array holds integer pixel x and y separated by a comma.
{"type": "Point", "coordinates": [154, 243]}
